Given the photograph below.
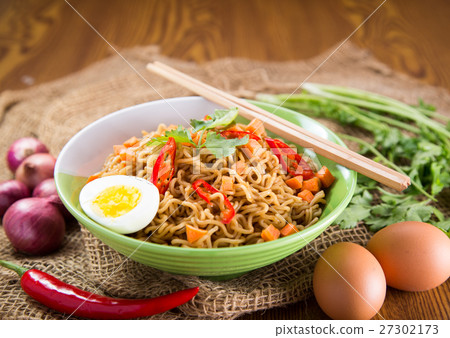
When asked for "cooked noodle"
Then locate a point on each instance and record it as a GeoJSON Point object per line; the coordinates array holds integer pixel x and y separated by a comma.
{"type": "Point", "coordinates": [260, 196]}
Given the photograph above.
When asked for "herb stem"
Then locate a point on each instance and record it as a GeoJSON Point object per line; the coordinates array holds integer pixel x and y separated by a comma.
{"type": "Point", "coordinates": [376, 102]}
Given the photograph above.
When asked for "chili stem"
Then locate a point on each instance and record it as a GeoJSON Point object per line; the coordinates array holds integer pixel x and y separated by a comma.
{"type": "Point", "coordinates": [17, 268]}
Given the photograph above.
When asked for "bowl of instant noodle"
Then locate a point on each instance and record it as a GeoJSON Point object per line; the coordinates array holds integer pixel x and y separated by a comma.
{"type": "Point", "coordinates": [220, 212]}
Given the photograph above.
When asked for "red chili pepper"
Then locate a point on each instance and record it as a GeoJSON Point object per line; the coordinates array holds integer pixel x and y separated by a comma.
{"type": "Point", "coordinates": [238, 134]}
{"type": "Point", "coordinates": [164, 167]}
{"type": "Point", "coordinates": [296, 164]}
{"type": "Point", "coordinates": [228, 213]}
{"type": "Point", "coordinates": [68, 299]}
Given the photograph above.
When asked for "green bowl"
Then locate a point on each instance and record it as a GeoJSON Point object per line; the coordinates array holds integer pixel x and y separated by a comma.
{"type": "Point", "coordinates": [84, 154]}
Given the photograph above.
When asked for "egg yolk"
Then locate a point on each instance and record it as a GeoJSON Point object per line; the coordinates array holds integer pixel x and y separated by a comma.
{"type": "Point", "coordinates": [117, 200]}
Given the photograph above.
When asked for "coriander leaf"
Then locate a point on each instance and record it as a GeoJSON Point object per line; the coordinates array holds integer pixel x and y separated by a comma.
{"type": "Point", "coordinates": [220, 146]}
{"type": "Point", "coordinates": [419, 212]}
{"type": "Point", "coordinates": [181, 135]}
{"type": "Point", "coordinates": [220, 118]}
{"type": "Point", "coordinates": [352, 215]}
{"type": "Point", "coordinates": [444, 225]}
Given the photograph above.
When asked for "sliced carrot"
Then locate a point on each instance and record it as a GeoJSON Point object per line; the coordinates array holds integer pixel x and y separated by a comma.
{"type": "Point", "coordinates": [93, 177]}
{"type": "Point", "coordinates": [306, 195]}
{"type": "Point", "coordinates": [227, 184]}
{"type": "Point", "coordinates": [288, 229]}
{"type": "Point", "coordinates": [256, 127]}
{"type": "Point", "coordinates": [270, 233]}
{"type": "Point", "coordinates": [295, 182]}
{"type": "Point", "coordinates": [118, 148]}
{"type": "Point", "coordinates": [194, 234]}
{"type": "Point", "coordinates": [325, 176]}
{"type": "Point", "coordinates": [131, 142]}
{"type": "Point", "coordinates": [239, 167]}
{"type": "Point", "coordinates": [253, 146]}
{"type": "Point", "coordinates": [313, 185]}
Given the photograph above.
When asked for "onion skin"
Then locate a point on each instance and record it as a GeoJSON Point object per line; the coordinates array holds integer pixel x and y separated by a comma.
{"type": "Point", "coordinates": [11, 191]}
{"type": "Point", "coordinates": [45, 188]}
{"type": "Point", "coordinates": [35, 169]}
{"type": "Point", "coordinates": [34, 226]}
{"type": "Point", "coordinates": [56, 201]}
{"type": "Point", "coordinates": [21, 149]}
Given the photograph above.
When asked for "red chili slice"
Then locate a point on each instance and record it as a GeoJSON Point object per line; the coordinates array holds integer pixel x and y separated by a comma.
{"type": "Point", "coordinates": [238, 134]}
{"type": "Point", "coordinates": [164, 167]}
{"type": "Point", "coordinates": [295, 165]}
{"type": "Point", "coordinates": [228, 213]}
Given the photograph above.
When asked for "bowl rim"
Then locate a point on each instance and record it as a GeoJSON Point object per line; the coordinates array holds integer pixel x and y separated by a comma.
{"type": "Point", "coordinates": [137, 243]}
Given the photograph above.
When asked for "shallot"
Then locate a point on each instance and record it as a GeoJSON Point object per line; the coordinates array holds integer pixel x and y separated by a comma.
{"type": "Point", "coordinates": [11, 191]}
{"type": "Point", "coordinates": [35, 169]}
{"type": "Point", "coordinates": [34, 226]}
{"type": "Point", "coordinates": [21, 149]}
{"type": "Point", "coordinates": [45, 188]}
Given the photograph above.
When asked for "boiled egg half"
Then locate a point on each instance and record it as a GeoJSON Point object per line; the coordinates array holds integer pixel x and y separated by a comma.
{"type": "Point", "coordinates": [124, 204]}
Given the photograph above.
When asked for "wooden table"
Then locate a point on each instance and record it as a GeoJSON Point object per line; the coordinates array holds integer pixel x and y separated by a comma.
{"type": "Point", "coordinates": [41, 40]}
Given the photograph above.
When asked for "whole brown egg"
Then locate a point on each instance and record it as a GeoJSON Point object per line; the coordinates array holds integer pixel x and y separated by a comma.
{"type": "Point", "coordinates": [415, 256]}
{"type": "Point", "coordinates": [349, 282]}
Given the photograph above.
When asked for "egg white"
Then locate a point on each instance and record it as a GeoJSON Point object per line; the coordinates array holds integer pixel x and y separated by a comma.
{"type": "Point", "coordinates": [137, 218]}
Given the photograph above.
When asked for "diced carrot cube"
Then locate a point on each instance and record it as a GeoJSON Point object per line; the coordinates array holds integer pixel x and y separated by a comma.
{"type": "Point", "coordinates": [325, 176]}
{"type": "Point", "coordinates": [313, 185]}
{"type": "Point", "coordinates": [131, 142]}
{"type": "Point", "coordinates": [253, 146]}
{"type": "Point", "coordinates": [227, 184]}
{"type": "Point", "coordinates": [234, 128]}
{"type": "Point", "coordinates": [239, 167]}
{"type": "Point", "coordinates": [256, 127]}
{"type": "Point", "coordinates": [194, 234]}
{"type": "Point", "coordinates": [118, 148]}
{"type": "Point", "coordinates": [295, 182]}
{"type": "Point", "coordinates": [270, 233]}
{"type": "Point", "coordinates": [306, 195]}
{"type": "Point", "coordinates": [288, 229]}
{"type": "Point", "coordinates": [127, 156]}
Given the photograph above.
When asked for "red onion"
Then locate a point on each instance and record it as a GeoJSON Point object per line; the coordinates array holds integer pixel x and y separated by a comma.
{"type": "Point", "coordinates": [11, 191]}
{"type": "Point", "coordinates": [56, 201]}
{"type": "Point", "coordinates": [34, 226]}
{"type": "Point", "coordinates": [45, 188]}
{"type": "Point", "coordinates": [36, 168]}
{"type": "Point", "coordinates": [21, 149]}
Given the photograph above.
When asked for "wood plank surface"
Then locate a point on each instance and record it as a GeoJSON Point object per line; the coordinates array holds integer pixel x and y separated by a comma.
{"type": "Point", "coordinates": [41, 40]}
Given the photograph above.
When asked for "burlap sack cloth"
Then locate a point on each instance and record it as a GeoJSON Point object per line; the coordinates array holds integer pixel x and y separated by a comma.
{"type": "Point", "coordinates": [55, 111]}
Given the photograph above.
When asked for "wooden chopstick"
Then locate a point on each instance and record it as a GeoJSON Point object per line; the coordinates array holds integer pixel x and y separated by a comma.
{"type": "Point", "coordinates": [288, 130]}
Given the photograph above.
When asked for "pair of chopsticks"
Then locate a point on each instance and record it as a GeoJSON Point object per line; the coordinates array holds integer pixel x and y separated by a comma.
{"type": "Point", "coordinates": [288, 130]}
